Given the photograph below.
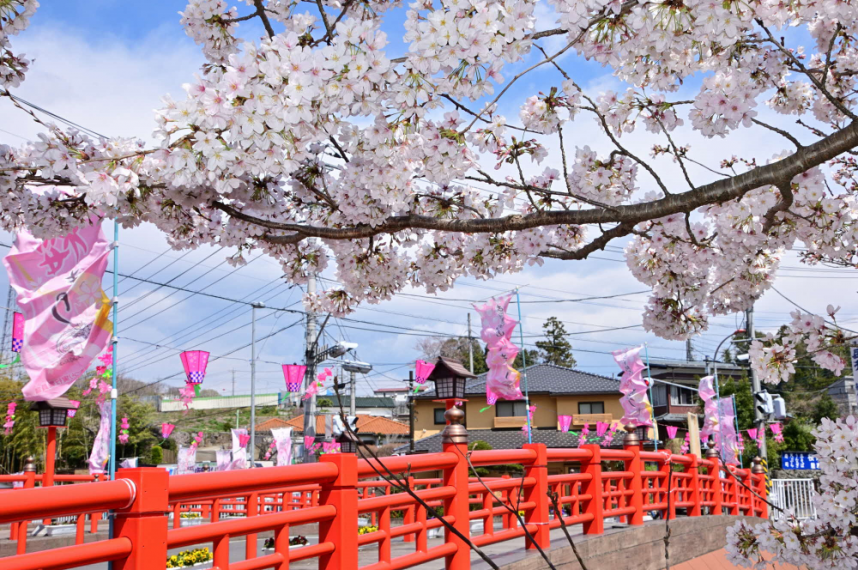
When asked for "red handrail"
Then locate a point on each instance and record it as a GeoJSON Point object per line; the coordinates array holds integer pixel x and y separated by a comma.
{"type": "Point", "coordinates": [330, 493]}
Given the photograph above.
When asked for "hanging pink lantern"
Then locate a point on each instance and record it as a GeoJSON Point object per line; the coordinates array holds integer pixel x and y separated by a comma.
{"type": "Point", "coordinates": [166, 430]}
{"type": "Point", "coordinates": [243, 439]}
{"type": "Point", "coordinates": [752, 433]}
{"type": "Point", "coordinates": [601, 428]}
{"type": "Point", "coordinates": [422, 370]}
{"type": "Point", "coordinates": [671, 431]}
{"type": "Point", "coordinates": [777, 432]}
{"type": "Point", "coordinates": [17, 332]}
{"type": "Point", "coordinates": [294, 374]}
{"type": "Point", "coordinates": [73, 410]}
{"type": "Point", "coordinates": [195, 362]}
{"type": "Point", "coordinates": [565, 423]}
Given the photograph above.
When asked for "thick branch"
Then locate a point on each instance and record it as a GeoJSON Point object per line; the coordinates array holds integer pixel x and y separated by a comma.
{"type": "Point", "coordinates": [715, 192]}
{"type": "Point", "coordinates": [595, 245]}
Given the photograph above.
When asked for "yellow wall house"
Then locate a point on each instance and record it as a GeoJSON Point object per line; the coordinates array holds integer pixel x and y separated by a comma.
{"type": "Point", "coordinates": [554, 390]}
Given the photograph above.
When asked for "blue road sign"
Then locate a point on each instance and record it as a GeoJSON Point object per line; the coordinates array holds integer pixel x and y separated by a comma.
{"type": "Point", "coordinates": [799, 460]}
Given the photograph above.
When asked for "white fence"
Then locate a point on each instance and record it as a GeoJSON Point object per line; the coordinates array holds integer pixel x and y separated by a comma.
{"type": "Point", "coordinates": [794, 496]}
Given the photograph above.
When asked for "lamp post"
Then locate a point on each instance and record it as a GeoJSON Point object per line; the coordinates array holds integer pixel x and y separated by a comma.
{"type": "Point", "coordinates": [351, 367]}
{"type": "Point", "coordinates": [450, 377]}
{"type": "Point", "coordinates": [53, 414]}
{"type": "Point", "coordinates": [254, 306]}
{"type": "Point", "coordinates": [313, 358]}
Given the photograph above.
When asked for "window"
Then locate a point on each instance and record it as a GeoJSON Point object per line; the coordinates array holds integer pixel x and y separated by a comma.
{"type": "Point", "coordinates": [591, 407]}
{"type": "Point", "coordinates": [511, 409]}
{"type": "Point", "coordinates": [659, 395]}
{"type": "Point", "coordinates": [681, 396]}
{"type": "Point", "coordinates": [439, 416]}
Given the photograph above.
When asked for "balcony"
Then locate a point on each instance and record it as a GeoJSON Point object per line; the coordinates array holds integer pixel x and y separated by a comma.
{"type": "Point", "coordinates": [591, 419]}
{"type": "Point", "coordinates": [510, 422]}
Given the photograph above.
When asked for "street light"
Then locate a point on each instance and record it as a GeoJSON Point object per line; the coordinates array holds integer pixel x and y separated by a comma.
{"type": "Point", "coordinates": [450, 377]}
{"type": "Point", "coordinates": [351, 367]}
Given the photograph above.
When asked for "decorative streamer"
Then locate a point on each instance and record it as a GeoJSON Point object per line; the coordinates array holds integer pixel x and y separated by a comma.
{"type": "Point", "coordinates": [73, 410]}
{"type": "Point", "coordinates": [10, 417]}
{"type": "Point", "coordinates": [422, 370]}
{"type": "Point", "coordinates": [66, 325]}
{"type": "Point", "coordinates": [502, 380]}
{"type": "Point", "coordinates": [637, 410]}
{"type": "Point", "coordinates": [187, 460]}
{"type": "Point", "coordinates": [294, 375]}
{"type": "Point", "coordinates": [777, 431]}
{"type": "Point", "coordinates": [194, 362]}
{"type": "Point", "coordinates": [283, 443]}
{"type": "Point", "coordinates": [271, 449]}
{"type": "Point", "coordinates": [330, 447]}
{"type": "Point", "coordinates": [313, 387]}
{"type": "Point", "coordinates": [528, 425]}
{"type": "Point", "coordinates": [101, 445]}
{"type": "Point", "coordinates": [239, 459]}
{"type": "Point", "coordinates": [123, 431]}
{"type": "Point", "coordinates": [711, 424]}
{"type": "Point", "coordinates": [17, 339]}
{"type": "Point", "coordinates": [198, 439]}
{"type": "Point", "coordinates": [565, 423]}
{"type": "Point", "coordinates": [685, 444]}
{"type": "Point", "coordinates": [223, 459]}
{"type": "Point", "coordinates": [730, 451]}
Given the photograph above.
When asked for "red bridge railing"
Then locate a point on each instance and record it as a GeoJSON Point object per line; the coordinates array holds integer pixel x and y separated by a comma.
{"type": "Point", "coordinates": [598, 484]}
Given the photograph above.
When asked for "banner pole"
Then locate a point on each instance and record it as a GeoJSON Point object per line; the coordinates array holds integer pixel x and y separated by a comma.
{"type": "Point", "coordinates": [651, 401]}
{"type": "Point", "coordinates": [113, 391]}
{"type": "Point", "coordinates": [524, 370]}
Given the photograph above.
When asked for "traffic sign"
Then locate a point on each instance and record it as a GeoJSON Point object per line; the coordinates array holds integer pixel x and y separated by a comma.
{"type": "Point", "coordinates": [799, 460]}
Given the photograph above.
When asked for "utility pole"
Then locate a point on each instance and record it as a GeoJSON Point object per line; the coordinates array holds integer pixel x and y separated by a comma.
{"type": "Point", "coordinates": [310, 374]}
{"type": "Point", "coordinates": [759, 418]}
{"type": "Point", "coordinates": [233, 382]}
{"type": "Point", "coordinates": [471, 345]}
{"type": "Point", "coordinates": [411, 406]}
{"type": "Point", "coordinates": [352, 403]}
{"type": "Point", "coordinates": [689, 350]}
{"type": "Point", "coordinates": [253, 308]}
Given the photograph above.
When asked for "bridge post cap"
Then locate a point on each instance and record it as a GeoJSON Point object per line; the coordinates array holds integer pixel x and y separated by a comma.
{"type": "Point", "coordinates": [631, 437]}
{"type": "Point", "coordinates": [30, 464]}
{"type": "Point", "coordinates": [711, 452]}
{"type": "Point", "coordinates": [455, 432]}
{"type": "Point", "coordinates": [757, 467]}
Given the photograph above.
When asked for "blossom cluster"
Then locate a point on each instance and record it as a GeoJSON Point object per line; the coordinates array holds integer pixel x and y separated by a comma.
{"type": "Point", "coordinates": [14, 18]}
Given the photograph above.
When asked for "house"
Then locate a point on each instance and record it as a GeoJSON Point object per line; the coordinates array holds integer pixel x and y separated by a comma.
{"type": "Point", "coordinates": [368, 405]}
{"type": "Point", "coordinates": [374, 430]}
{"type": "Point", "coordinates": [843, 393]}
{"type": "Point", "coordinates": [671, 401]}
{"type": "Point", "coordinates": [400, 395]}
{"type": "Point", "coordinates": [554, 390]}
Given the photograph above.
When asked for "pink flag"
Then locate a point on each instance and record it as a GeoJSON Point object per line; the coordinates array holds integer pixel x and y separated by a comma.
{"type": "Point", "coordinates": [422, 370]}
{"type": "Point", "coordinates": [565, 423]}
{"type": "Point", "coordinates": [671, 431]}
{"type": "Point", "coordinates": [58, 282]}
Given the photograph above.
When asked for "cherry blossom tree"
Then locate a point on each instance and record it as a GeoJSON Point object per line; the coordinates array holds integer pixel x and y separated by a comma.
{"type": "Point", "coordinates": [324, 144]}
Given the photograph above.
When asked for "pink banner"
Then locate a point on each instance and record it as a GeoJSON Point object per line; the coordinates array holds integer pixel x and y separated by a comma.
{"type": "Point", "coordinates": [502, 380]}
{"type": "Point", "coordinates": [223, 457]}
{"type": "Point", "coordinates": [636, 407]}
{"type": "Point", "coordinates": [58, 282]}
{"type": "Point", "coordinates": [283, 443]}
{"type": "Point", "coordinates": [101, 445]}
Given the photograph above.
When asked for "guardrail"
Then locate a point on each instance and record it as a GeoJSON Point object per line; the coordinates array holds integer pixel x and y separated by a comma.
{"type": "Point", "coordinates": [593, 485]}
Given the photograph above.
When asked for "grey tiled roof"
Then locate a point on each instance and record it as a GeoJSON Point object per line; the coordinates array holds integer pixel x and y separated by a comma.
{"type": "Point", "coordinates": [548, 379]}
{"type": "Point", "coordinates": [500, 439]}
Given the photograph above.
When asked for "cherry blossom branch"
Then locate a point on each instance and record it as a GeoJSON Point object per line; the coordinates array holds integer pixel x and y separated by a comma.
{"type": "Point", "coordinates": [719, 191]}
{"type": "Point", "coordinates": [599, 243]}
{"type": "Point", "coordinates": [781, 132]}
{"type": "Point", "coordinates": [260, 11]}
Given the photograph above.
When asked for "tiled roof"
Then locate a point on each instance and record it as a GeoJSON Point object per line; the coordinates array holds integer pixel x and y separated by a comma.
{"type": "Point", "coordinates": [365, 424]}
{"type": "Point", "coordinates": [549, 379]}
{"type": "Point", "coordinates": [272, 423]}
{"type": "Point", "coordinates": [500, 439]}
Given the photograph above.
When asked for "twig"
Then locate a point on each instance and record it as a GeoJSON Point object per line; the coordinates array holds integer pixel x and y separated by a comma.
{"type": "Point", "coordinates": [559, 511]}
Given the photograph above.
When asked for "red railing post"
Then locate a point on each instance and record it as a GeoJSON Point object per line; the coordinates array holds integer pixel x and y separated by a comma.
{"type": "Point", "coordinates": [714, 472]}
{"type": "Point", "coordinates": [144, 522]}
{"type": "Point", "coordinates": [251, 510]}
{"type": "Point", "coordinates": [538, 494]}
{"type": "Point", "coordinates": [635, 467]}
{"type": "Point", "coordinates": [29, 483]}
{"type": "Point", "coordinates": [455, 440]}
{"type": "Point", "coordinates": [408, 517]}
{"type": "Point", "coordinates": [694, 471]}
{"type": "Point", "coordinates": [760, 487]}
{"type": "Point", "coordinates": [342, 530]}
{"type": "Point", "coordinates": [593, 488]}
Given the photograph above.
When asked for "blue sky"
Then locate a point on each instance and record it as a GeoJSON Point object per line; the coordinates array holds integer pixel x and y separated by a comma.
{"type": "Point", "coordinates": [105, 64]}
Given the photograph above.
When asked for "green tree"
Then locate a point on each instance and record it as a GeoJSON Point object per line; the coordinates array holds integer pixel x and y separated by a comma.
{"type": "Point", "coordinates": [156, 455]}
{"type": "Point", "coordinates": [531, 357]}
{"type": "Point", "coordinates": [456, 349]}
{"type": "Point", "coordinates": [555, 349]}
